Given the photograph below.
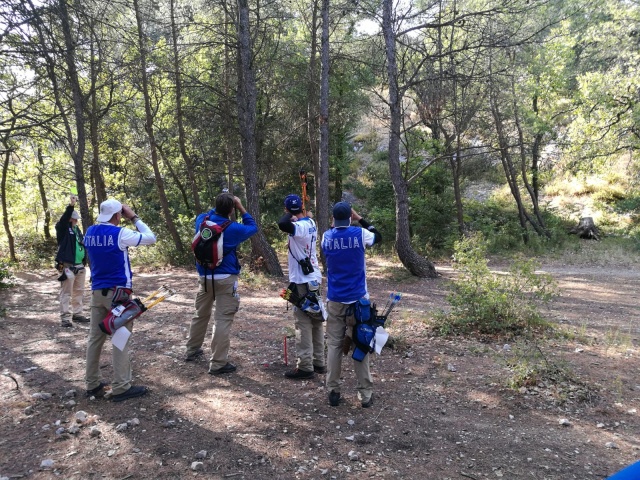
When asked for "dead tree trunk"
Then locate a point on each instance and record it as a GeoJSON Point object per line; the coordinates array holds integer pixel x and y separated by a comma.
{"type": "Point", "coordinates": [586, 228]}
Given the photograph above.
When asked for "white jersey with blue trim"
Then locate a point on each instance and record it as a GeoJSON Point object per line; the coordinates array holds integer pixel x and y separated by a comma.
{"type": "Point", "coordinates": [302, 244]}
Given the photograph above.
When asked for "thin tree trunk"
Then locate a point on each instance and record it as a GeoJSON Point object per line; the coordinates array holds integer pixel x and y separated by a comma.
{"type": "Point", "coordinates": [416, 264]}
{"type": "Point", "coordinates": [507, 165]}
{"type": "Point", "coordinates": [5, 211]}
{"type": "Point", "coordinates": [43, 195]}
{"type": "Point", "coordinates": [538, 223]}
{"type": "Point", "coordinates": [247, 97]}
{"type": "Point", "coordinates": [179, 114]}
{"type": "Point", "coordinates": [78, 147]}
{"type": "Point", "coordinates": [176, 179]}
{"type": "Point", "coordinates": [164, 203]}
{"type": "Point", "coordinates": [456, 167]}
{"type": "Point", "coordinates": [228, 158]}
{"type": "Point", "coordinates": [321, 179]}
{"type": "Point", "coordinates": [312, 95]}
{"type": "Point", "coordinates": [535, 155]}
{"type": "Point", "coordinates": [98, 180]}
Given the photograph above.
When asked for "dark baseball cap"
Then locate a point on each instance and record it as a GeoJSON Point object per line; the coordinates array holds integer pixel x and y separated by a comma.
{"type": "Point", "coordinates": [293, 203]}
{"type": "Point", "coordinates": [341, 214]}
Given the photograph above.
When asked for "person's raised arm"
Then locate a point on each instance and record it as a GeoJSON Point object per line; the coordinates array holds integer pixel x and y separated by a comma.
{"type": "Point", "coordinates": [129, 238]}
{"type": "Point", "coordinates": [367, 226]}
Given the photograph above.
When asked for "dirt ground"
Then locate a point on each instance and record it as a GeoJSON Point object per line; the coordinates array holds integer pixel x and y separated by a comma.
{"type": "Point", "coordinates": [442, 408]}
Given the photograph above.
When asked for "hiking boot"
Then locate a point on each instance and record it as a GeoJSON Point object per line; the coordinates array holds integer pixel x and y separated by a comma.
{"type": "Point", "coordinates": [133, 392]}
{"type": "Point", "coordinates": [297, 374]}
{"type": "Point", "coordinates": [99, 391]}
{"type": "Point", "coordinates": [80, 319]}
{"type": "Point", "coordinates": [334, 399]}
{"type": "Point", "coordinates": [319, 369]}
{"type": "Point", "coordinates": [66, 324]}
{"type": "Point", "coordinates": [228, 368]}
{"type": "Point", "coordinates": [192, 357]}
{"type": "Point", "coordinates": [368, 403]}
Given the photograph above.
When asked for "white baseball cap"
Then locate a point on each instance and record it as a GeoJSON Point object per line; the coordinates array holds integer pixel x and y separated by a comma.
{"type": "Point", "coordinates": [108, 208]}
{"type": "Point", "coordinates": [75, 215]}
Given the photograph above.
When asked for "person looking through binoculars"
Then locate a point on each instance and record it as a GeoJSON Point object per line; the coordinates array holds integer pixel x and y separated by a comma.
{"type": "Point", "coordinates": [108, 246]}
{"type": "Point", "coordinates": [219, 284]}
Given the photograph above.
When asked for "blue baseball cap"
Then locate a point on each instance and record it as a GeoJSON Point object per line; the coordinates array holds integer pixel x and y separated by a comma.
{"type": "Point", "coordinates": [293, 203]}
{"type": "Point", "coordinates": [341, 214]}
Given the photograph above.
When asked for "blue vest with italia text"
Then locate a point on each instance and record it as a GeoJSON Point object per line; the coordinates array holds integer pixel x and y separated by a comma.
{"type": "Point", "coordinates": [110, 266]}
{"type": "Point", "coordinates": [343, 249]}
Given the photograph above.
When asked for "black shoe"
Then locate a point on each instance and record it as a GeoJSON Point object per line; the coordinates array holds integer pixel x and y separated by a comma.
{"type": "Point", "coordinates": [228, 368]}
{"type": "Point", "coordinates": [298, 374]}
{"type": "Point", "coordinates": [319, 369]}
{"type": "Point", "coordinates": [80, 319]}
{"type": "Point", "coordinates": [368, 403]}
{"type": "Point", "coordinates": [192, 357]}
{"type": "Point", "coordinates": [133, 392]}
{"type": "Point", "coordinates": [99, 391]}
{"type": "Point", "coordinates": [334, 398]}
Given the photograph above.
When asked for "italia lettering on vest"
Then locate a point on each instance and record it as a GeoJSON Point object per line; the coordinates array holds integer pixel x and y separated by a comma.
{"type": "Point", "coordinates": [99, 241]}
{"type": "Point", "coordinates": [342, 243]}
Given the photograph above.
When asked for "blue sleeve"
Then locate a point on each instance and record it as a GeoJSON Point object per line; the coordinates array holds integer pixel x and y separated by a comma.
{"type": "Point", "coordinates": [199, 219]}
{"type": "Point", "coordinates": [248, 228]}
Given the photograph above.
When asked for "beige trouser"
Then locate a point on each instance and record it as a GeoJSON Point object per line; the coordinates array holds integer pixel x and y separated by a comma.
{"type": "Point", "coordinates": [71, 293]}
{"type": "Point", "coordinates": [309, 337]}
{"type": "Point", "coordinates": [336, 328]}
{"type": "Point", "coordinates": [227, 301]}
{"type": "Point", "coordinates": [100, 307]}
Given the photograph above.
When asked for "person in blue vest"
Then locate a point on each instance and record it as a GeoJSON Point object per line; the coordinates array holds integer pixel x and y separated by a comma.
{"type": "Point", "coordinates": [108, 247]}
{"type": "Point", "coordinates": [219, 286]}
{"type": "Point", "coordinates": [344, 250]}
{"type": "Point", "coordinates": [71, 260]}
{"type": "Point", "coordinates": [305, 273]}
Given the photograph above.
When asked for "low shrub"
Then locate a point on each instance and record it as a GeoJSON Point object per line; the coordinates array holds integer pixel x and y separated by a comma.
{"type": "Point", "coordinates": [493, 303]}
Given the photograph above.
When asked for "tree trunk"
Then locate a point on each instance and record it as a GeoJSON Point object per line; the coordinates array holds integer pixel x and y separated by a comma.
{"type": "Point", "coordinates": [538, 224]}
{"type": "Point", "coordinates": [43, 196]}
{"type": "Point", "coordinates": [456, 167]}
{"type": "Point", "coordinates": [262, 252]}
{"type": "Point", "coordinates": [5, 211]}
{"type": "Point", "coordinates": [96, 171]}
{"type": "Point", "coordinates": [507, 164]}
{"type": "Point", "coordinates": [313, 100]}
{"type": "Point", "coordinates": [150, 133]}
{"type": "Point", "coordinates": [416, 264]}
{"type": "Point", "coordinates": [586, 228]}
{"type": "Point", "coordinates": [77, 148]}
{"type": "Point", "coordinates": [321, 180]}
{"type": "Point", "coordinates": [535, 155]}
{"type": "Point", "coordinates": [179, 114]}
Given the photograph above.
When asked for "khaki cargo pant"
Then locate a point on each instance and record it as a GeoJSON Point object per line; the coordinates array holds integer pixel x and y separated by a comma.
{"type": "Point", "coordinates": [309, 337]}
{"type": "Point", "coordinates": [336, 329]}
{"type": "Point", "coordinates": [71, 293]}
{"type": "Point", "coordinates": [227, 301]}
{"type": "Point", "coordinates": [100, 307]}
